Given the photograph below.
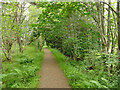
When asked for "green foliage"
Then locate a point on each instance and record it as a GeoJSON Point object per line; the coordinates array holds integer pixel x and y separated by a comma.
{"type": "Point", "coordinates": [22, 72]}
{"type": "Point", "coordinates": [64, 27]}
{"type": "Point", "coordinates": [74, 28]}
{"type": "Point", "coordinates": [90, 73]}
{"type": "Point", "coordinates": [68, 46]}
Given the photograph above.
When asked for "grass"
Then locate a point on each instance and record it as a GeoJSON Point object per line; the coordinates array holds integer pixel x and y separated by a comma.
{"type": "Point", "coordinates": [80, 76]}
{"type": "Point", "coordinates": [22, 71]}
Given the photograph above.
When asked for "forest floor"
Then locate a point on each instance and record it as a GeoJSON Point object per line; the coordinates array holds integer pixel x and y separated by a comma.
{"type": "Point", "coordinates": [51, 75]}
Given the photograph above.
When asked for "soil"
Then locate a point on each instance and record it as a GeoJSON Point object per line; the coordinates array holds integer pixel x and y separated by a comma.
{"type": "Point", "coordinates": [51, 75]}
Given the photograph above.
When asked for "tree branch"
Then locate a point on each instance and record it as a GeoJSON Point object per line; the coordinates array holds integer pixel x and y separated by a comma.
{"type": "Point", "coordinates": [110, 7]}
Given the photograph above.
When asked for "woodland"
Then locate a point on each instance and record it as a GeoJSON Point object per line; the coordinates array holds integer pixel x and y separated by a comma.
{"type": "Point", "coordinates": [84, 38]}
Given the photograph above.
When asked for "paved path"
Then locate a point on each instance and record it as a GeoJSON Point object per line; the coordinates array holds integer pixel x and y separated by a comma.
{"type": "Point", "coordinates": [51, 74]}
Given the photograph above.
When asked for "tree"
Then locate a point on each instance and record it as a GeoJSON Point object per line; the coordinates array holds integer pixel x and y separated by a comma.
{"type": "Point", "coordinates": [118, 24]}
{"type": "Point", "coordinates": [14, 29]}
{"type": "Point", "coordinates": [8, 34]}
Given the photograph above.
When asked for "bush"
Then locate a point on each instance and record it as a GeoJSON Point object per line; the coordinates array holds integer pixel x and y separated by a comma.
{"type": "Point", "coordinates": [91, 72]}
{"type": "Point", "coordinates": [68, 47]}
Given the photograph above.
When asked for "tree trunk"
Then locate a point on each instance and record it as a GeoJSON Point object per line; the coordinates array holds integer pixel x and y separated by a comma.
{"type": "Point", "coordinates": [118, 23]}
{"type": "Point", "coordinates": [41, 47]}
{"type": "Point", "coordinates": [7, 51]}
{"type": "Point", "coordinates": [113, 43]}
{"type": "Point", "coordinates": [113, 34]}
{"type": "Point", "coordinates": [0, 40]}
{"type": "Point", "coordinates": [102, 19]}
{"type": "Point", "coordinates": [14, 47]}
{"type": "Point", "coordinates": [9, 55]}
{"type": "Point", "coordinates": [20, 44]}
{"type": "Point", "coordinates": [102, 11]}
{"type": "Point", "coordinates": [100, 22]}
{"type": "Point", "coordinates": [18, 37]}
{"type": "Point", "coordinates": [37, 45]}
{"type": "Point", "coordinates": [108, 29]}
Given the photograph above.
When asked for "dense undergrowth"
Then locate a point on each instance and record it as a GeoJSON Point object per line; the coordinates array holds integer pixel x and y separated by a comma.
{"type": "Point", "coordinates": [22, 71]}
{"type": "Point", "coordinates": [91, 72]}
